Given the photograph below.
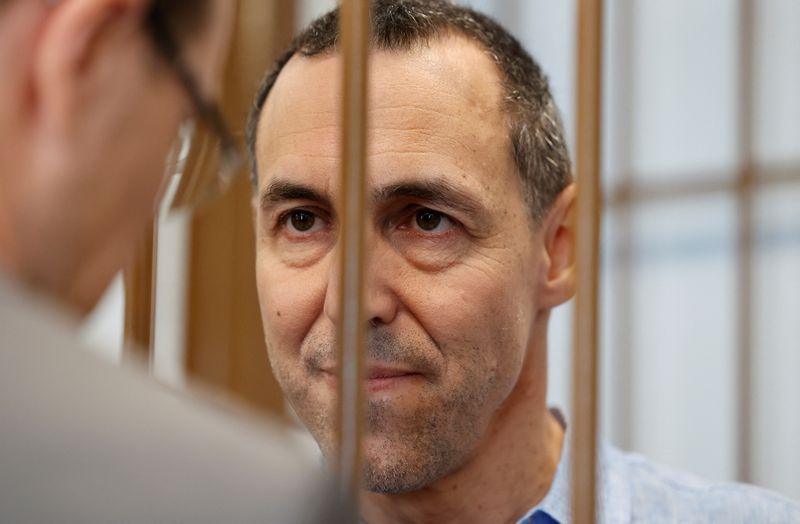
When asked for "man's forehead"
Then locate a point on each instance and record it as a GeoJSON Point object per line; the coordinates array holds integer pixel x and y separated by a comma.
{"type": "Point", "coordinates": [449, 68]}
{"type": "Point", "coordinates": [434, 111]}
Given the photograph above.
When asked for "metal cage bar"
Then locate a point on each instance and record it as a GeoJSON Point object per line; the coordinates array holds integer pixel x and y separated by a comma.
{"type": "Point", "coordinates": [355, 31]}
{"type": "Point", "coordinates": [588, 213]}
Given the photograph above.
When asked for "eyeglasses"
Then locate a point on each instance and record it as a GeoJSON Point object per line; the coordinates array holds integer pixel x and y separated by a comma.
{"type": "Point", "coordinates": [195, 191]}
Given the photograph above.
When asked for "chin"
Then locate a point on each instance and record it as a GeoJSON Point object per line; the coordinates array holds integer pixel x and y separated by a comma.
{"type": "Point", "coordinates": [408, 463]}
{"type": "Point", "coordinates": [396, 477]}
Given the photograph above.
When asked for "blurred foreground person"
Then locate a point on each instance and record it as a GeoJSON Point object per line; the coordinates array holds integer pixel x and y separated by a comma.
{"type": "Point", "coordinates": [91, 99]}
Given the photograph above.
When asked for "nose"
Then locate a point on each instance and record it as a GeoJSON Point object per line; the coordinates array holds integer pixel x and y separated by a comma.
{"type": "Point", "coordinates": [380, 298]}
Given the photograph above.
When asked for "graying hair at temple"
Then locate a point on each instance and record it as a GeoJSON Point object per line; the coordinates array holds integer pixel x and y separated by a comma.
{"type": "Point", "coordinates": [535, 131]}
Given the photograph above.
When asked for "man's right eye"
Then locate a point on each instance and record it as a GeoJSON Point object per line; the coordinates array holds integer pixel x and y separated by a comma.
{"type": "Point", "coordinates": [301, 222]}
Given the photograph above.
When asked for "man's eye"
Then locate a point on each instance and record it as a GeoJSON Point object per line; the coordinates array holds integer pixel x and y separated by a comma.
{"type": "Point", "coordinates": [432, 221]}
{"type": "Point", "coordinates": [302, 221]}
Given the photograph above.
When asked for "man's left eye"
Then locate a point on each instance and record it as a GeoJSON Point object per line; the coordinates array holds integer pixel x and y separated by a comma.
{"type": "Point", "coordinates": [432, 221]}
{"type": "Point", "coordinates": [302, 220]}
{"type": "Point", "coordinates": [301, 223]}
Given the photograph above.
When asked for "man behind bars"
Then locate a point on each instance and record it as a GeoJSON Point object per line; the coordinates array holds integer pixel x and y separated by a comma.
{"type": "Point", "coordinates": [470, 246]}
{"type": "Point", "coordinates": [90, 104]}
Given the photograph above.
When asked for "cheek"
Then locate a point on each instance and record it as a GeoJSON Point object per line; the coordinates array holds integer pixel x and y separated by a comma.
{"type": "Point", "coordinates": [291, 302]}
{"type": "Point", "coordinates": [483, 318]}
{"type": "Point", "coordinates": [475, 305]}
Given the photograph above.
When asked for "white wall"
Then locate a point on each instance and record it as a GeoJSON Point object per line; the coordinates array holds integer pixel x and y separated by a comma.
{"type": "Point", "coordinates": [103, 329]}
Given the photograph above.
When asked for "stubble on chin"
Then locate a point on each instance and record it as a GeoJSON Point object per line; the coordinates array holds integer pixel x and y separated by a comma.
{"type": "Point", "coordinates": [410, 451]}
{"type": "Point", "coordinates": [403, 451]}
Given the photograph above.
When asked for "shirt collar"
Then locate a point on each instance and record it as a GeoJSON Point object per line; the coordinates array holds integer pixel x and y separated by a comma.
{"type": "Point", "coordinates": [614, 494]}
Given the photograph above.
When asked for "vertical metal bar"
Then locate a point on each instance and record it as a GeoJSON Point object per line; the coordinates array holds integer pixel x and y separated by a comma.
{"type": "Point", "coordinates": [744, 267]}
{"type": "Point", "coordinates": [355, 34]}
{"type": "Point", "coordinates": [585, 361]}
{"type": "Point", "coordinates": [139, 300]}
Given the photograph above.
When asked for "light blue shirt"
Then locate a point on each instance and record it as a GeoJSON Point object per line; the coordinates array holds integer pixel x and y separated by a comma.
{"type": "Point", "coordinates": [632, 490]}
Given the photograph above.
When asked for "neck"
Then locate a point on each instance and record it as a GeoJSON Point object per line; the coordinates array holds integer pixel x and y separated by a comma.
{"type": "Point", "coordinates": [41, 254]}
{"type": "Point", "coordinates": [511, 470]}
{"type": "Point", "coordinates": [75, 291]}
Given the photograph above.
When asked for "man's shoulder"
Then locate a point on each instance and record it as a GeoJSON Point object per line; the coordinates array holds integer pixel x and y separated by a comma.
{"type": "Point", "coordinates": [659, 493]}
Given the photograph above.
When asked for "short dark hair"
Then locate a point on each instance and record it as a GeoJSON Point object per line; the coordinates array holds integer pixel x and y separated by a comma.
{"type": "Point", "coordinates": [535, 131]}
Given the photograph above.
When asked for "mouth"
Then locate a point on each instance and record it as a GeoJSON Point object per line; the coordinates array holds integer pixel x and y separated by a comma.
{"type": "Point", "coordinates": [385, 378]}
{"type": "Point", "coordinates": [379, 378]}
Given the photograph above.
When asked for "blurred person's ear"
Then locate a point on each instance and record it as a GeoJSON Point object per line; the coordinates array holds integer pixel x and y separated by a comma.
{"type": "Point", "coordinates": [79, 41]}
{"type": "Point", "coordinates": [558, 268]}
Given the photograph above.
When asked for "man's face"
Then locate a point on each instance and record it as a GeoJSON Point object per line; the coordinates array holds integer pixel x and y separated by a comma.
{"type": "Point", "coordinates": [451, 285]}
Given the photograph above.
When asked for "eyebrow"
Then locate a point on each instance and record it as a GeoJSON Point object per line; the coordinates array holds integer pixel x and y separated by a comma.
{"type": "Point", "coordinates": [436, 192]}
{"type": "Point", "coordinates": [282, 191]}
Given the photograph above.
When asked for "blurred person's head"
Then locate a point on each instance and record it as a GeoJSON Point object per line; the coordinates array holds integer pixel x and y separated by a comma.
{"type": "Point", "coordinates": [89, 108]}
{"type": "Point", "coordinates": [467, 219]}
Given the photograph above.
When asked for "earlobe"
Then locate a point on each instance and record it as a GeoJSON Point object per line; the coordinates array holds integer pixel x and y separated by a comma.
{"type": "Point", "coordinates": [558, 275]}
{"type": "Point", "coordinates": [70, 39]}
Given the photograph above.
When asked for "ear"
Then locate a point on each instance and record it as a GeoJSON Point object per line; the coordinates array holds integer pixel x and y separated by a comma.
{"type": "Point", "coordinates": [558, 270]}
{"type": "Point", "coordinates": [76, 33]}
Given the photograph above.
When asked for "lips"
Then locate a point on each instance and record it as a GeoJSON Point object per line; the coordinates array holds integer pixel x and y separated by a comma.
{"type": "Point", "coordinates": [381, 372]}
{"type": "Point", "coordinates": [379, 376]}
{"type": "Point", "coordinates": [374, 372]}
{"type": "Point", "coordinates": [379, 379]}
